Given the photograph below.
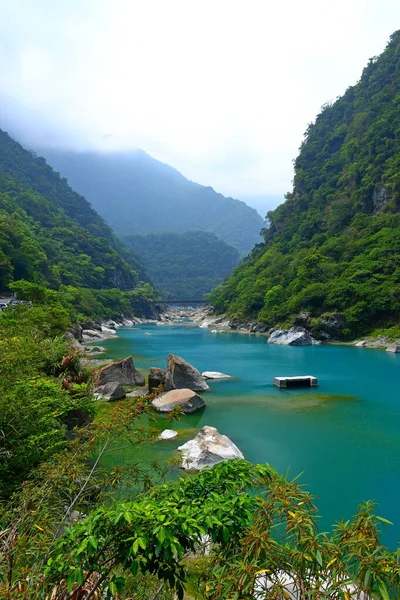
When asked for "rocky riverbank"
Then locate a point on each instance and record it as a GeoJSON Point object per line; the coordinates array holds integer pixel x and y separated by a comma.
{"type": "Point", "coordinates": [304, 330]}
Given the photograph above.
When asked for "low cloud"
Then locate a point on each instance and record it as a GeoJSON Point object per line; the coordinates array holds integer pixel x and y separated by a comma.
{"type": "Point", "coordinates": [223, 90]}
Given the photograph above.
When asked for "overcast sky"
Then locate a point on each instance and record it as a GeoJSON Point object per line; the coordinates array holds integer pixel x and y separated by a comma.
{"type": "Point", "coordinates": [220, 89]}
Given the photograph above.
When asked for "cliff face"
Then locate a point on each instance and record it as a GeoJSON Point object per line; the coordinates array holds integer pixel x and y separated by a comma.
{"type": "Point", "coordinates": [334, 244]}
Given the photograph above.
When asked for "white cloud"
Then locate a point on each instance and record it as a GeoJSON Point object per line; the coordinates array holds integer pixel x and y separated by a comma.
{"type": "Point", "coordinates": [221, 89]}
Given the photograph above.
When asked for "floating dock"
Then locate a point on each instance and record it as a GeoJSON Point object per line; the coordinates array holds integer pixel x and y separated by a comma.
{"type": "Point", "coordinates": [301, 381]}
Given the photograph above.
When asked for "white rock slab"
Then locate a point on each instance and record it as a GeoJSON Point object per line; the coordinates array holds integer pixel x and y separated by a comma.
{"type": "Point", "coordinates": [215, 375]}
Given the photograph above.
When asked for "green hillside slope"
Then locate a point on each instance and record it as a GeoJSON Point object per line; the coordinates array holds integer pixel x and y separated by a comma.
{"type": "Point", "coordinates": [49, 234]}
{"type": "Point", "coordinates": [184, 266]}
{"type": "Point", "coordinates": [334, 245]}
{"type": "Point", "coordinates": [137, 194]}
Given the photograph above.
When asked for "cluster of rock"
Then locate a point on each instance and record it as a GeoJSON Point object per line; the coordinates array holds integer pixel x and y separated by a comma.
{"type": "Point", "coordinates": [95, 331]}
{"type": "Point", "coordinates": [379, 342]}
{"type": "Point", "coordinates": [304, 330]}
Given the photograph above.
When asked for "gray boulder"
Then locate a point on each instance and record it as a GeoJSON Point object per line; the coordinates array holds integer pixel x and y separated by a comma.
{"type": "Point", "coordinates": [156, 378]}
{"type": "Point", "coordinates": [187, 399]}
{"type": "Point", "coordinates": [295, 336]}
{"type": "Point", "coordinates": [207, 449]}
{"type": "Point", "coordinates": [394, 348]}
{"type": "Point", "coordinates": [181, 374]}
{"type": "Point", "coordinates": [121, 371]}
{"type": "Point", "coordinates": [110, 391]}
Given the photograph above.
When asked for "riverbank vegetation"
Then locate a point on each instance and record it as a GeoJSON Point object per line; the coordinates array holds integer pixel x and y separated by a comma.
{"type": "Point", "coordinates": [333, 245]}
{"type": "Point", "coordinates": [234, 531]}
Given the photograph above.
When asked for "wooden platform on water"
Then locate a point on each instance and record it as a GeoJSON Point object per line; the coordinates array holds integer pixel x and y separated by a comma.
{"type": "Point", "coordinates": [301, 381]}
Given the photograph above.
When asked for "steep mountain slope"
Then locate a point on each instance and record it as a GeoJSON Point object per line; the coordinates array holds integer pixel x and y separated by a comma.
{"type": "Point", "coordinates": [137, 194]}
{"type": "Point", "coordinates": [184, 266]}
{"type": "Point", "coordinates": [334, 245]}
{"type": "Point", "coordinates": [51, 235]}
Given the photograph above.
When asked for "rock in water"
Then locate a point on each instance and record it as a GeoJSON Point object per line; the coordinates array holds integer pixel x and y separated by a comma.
{"type": "Point", "coordinates": [121, 371]}
{"type": "Point", "coordinates": [187, 399]}
{"type": "Point", "coordinates": [156, 378]}
{"type": "Point", "coordinates": [215, 375]}
{"type": "Point", "coordinates": [181, 374]}
{"type": "Point", "coordinates": [167, 434]}
{"type": "Point", "coordinates": [394, 348]}
{"type": "Point", "coordinates": [110, 391]}
{"type": "Point", "coordinates": [295, 336]}
{"type": "Point", "coordinates": [207, 449]}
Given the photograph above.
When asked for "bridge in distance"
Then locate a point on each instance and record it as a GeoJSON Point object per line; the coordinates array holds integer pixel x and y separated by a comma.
{"type": "Point", "coordinates": [178, 302]}
{"type": "Point", "coordinates": [188, 302]}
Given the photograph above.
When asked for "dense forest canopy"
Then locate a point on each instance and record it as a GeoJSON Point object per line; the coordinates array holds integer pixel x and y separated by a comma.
{"type": "Point", "coordinates": [51, 235]}
{"type": "Point", "coordinates": [334, 244]}
{"type": "Point", "coordinates": [184, 266]}
{"type": "Point", "coordinates": [137, 194]}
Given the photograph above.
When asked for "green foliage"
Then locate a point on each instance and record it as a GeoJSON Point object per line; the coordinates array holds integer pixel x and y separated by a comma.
{"type": "Point", "coordinates": [153, 534]}
{"type": "Point", "coordinates": [334, 244]}
{"type": "Point", "coordinates": [51, 235]}
{"type": "Point", "coordinates": [184, 265]}
{"type": "Point", "coordinates": [258, 527]}
{"type": "Point", "coordinates": [148, 196]}
{"type": "Point", "coordinates": [34, 405]}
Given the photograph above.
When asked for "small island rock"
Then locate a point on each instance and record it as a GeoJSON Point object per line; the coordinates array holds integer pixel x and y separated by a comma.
{"type": "Point", "coordinates": [181, 374]}
{"type": "Point", "coordinates": [187, 399]}
{"type": "Point", "coordinates": [121, 371]}
{"type": "Point", "coordinates": [295, 336]}
{"type": "Point", "coordinates": [167, 434]}
{"type": "Point", "coordinates": [207, 449]}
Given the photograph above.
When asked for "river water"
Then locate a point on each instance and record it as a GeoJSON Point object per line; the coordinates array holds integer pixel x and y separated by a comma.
{"type": "Point", "coordinates": [343, 436]}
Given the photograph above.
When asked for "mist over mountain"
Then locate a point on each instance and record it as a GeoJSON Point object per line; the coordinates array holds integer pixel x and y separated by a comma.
{"type": "Point", "coordinates": [135, 193]}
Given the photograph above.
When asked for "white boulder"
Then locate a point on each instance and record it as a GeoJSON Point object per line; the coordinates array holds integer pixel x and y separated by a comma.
{"type": "Point", "coordinates": [295, 336]}
{"type": "Point", "coordinates": [207, 449]}
{"type": "Point", "coordinates": [167, 434]}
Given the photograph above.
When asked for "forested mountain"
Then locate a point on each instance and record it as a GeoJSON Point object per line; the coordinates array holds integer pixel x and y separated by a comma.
{"type": "Point", "coordinates": [334, 244]}
{"type": "Point", "coordinates": [184, 266]}
{"type": "Point", "coordinates": [51, 235]}
{"type": "Point", "coordinates": [137, 194]}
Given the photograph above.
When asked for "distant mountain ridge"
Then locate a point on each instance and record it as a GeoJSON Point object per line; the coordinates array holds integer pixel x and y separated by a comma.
{"type": "Point", "coordinates": [184, 266]}
{"type": "Point", "coordinates": [135, 193]}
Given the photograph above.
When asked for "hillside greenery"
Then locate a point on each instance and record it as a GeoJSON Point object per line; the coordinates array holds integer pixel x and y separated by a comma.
{"type": "Point", "coordinates": [184, 266]}
{"type": "Point", "coordinates": [137, 194]}
{"type": "Point", "coordinates": [334, 244]}
{"type": "Point", "coordinates": [49, 234]}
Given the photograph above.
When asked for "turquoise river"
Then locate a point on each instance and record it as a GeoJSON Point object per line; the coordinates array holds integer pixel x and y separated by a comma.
{"type": "Point", "coordinates": [343, 436]}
